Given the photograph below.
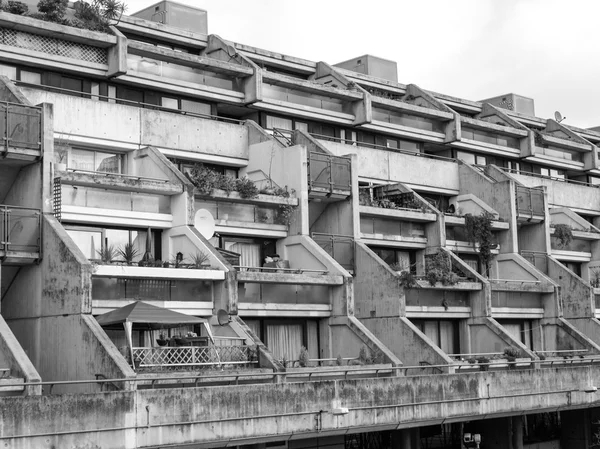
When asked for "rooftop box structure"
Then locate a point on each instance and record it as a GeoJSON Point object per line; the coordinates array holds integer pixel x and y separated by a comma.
{"type": "Point", "coordinates": [513, 102]}
{"type": "Point", "coordinates": [176, 15]}
{"type": "Point", "coordinates": [372, 65]}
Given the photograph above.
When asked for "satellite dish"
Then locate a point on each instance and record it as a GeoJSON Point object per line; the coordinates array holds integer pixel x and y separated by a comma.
{"type": "Point", "coordinates": [222, 317]}
{"type": "Point", "coordinates": [558, 117]}
{"type": "Point", "coordinates": [204, 223]}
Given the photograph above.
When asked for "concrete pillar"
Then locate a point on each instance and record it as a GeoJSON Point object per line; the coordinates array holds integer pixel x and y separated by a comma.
{"type": "Point", "coordinates": [403, 439]}
{"type": "Point", "coordinates": [575, 429]}
{"type": "Point", "coordinates": [517, 432]}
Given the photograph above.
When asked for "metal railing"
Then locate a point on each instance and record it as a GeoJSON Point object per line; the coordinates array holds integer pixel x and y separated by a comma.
{"type": "Point", "coordinates": [273, 377]}
{"type": "Point", "coordinates": [552, 178]}
{"type": "Point", "coordinates": [279, 270]}
{"type": "Point", "coordinates": [340, 247]}
{"type": "Point", "coordinates": [539, 259]}
{"type": "Point", "coordinates": [20, 229]}
{"type": "Point", "coordinates": [20, 126]}
{"type": "Point", "coordinates": [381, 147]}
{"type": "Point", "coordinates": [119, 175]}
{"type": "Point", "coordinates": [138, 104]}
{"type": "Point", "coordinates": [189, 356]}
{"type": "Point", "coordinates": [284, 136]}
{"type": "Point", "coordinates": [329, 172]}
{"type": "Point", "coordinates": [530, 201]}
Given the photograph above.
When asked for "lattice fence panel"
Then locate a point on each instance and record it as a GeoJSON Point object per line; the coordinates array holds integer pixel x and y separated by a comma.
{"type": "Point", "coordinates": [53, 46]}
{"type": "Point", "coordinates": [192, 355]}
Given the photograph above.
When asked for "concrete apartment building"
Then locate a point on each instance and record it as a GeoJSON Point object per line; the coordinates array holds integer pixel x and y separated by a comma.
{"type": "Point", "coordinates": [437, 258]}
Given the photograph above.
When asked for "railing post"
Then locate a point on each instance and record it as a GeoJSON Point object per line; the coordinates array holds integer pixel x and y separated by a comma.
{"type": "Point", "coordinates": [330, 166]}
{"type": "Point", "coordinates": [5, 136]}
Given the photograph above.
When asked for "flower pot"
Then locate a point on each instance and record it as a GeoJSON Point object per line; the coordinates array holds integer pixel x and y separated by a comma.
{"type": "Point", "coordinates": [181, 341]}
{"type": "Point", "coordinates": [161, 342]}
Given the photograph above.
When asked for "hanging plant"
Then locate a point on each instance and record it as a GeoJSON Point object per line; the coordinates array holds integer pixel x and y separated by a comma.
{"type": "Point", "coordinates": [563, 235]}
{"type": "Point", "coordinates": [479, 231]}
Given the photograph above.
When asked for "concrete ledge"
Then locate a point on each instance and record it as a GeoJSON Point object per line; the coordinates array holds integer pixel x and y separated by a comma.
{"type": "Point", "coordinates": [156, 273]}
{"type": "Point", "coordinates": [289, 278]}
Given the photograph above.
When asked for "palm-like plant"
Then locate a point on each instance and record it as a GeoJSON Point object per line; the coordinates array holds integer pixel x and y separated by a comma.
{"type": "Point", "coordinates": [107, 253]}
{"type": "Point", "coordinates": [129, 252]}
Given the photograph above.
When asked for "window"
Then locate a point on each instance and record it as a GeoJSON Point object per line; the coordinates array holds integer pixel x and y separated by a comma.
{"type": "Point", "coordinates": [95, 90]}
{"type": "Point", "coordinates": [443, 333]}
{"type": "Point", "coordinates": [172, 103]}
{"type": "Point", "coordinates": [30, 77]}
{"type": "Point", "coordinates": [8, 71]}
{"type": "Point", "coordinates": [91, 241]}
{"type": "Point", "coordinates": [553, 173]}
{"type": "Point", "coordinates": [252, 251]}
{"type": "Point", "coordinates": [94, 161]}
{"type": "Point", "coordinates": [195, 107]}
{"type": "Point", "coordinates": [520, 330]}
{"type": "Point", "coordinates": [279, 122]}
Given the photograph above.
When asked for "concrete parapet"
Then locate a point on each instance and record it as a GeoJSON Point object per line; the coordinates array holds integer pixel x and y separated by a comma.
{"type": "Point", "coordinates": [17, 360]}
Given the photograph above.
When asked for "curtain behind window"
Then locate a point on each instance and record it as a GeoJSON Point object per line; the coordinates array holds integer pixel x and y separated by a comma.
{"type": "Point", "coordinates": [284, 340]}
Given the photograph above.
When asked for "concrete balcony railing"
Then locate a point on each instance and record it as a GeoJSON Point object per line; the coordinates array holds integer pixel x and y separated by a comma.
{"type": "Point", "coordinates": [20, 230]}
{"type": "Point", "coordinates": [329, 176]}
{"type": "Point", "coordinates": [20, 129]}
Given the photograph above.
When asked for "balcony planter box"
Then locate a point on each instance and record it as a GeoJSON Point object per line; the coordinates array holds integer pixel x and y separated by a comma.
{"type": "Point", "coordinates": [235, 197]}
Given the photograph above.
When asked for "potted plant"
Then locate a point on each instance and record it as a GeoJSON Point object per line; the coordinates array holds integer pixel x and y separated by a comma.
{"type": "Point", "coordinates": [199, 260]}
{"type": "Point", "coordinates": [511, 353]}
{"type": "Point", "coordinates": [483, 363]}
{"type": "Point", "coordinates": [162, 339]}
{"type": "Point", "coordinates": [129, 252]}
{"type": "Point", "coordinates": [303, 358]}
{"type": "Point", "coordinates": [107, 254]}
{"type": "Point", "coordinates": [179, 340]}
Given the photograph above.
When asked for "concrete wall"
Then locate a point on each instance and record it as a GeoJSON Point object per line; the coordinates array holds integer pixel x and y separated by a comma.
{"type": "Point", "coordinates": [12, 356]}
{"type": "Point", "coordinates": [377, 292]}
{"type": "Point", "coordinates": [498, 195]}
{"type": "Point", "coordinates": [26, 190]}
{"type": "Point", "coordinates": [118, 124]}
{"type": "Point", "coordinates": [163, 417]}
{"type": "Point", "coordinates": [386, 166]}
{"type": "Point", "coordinates": [577, 295]}
{"type": "Point", "coordinates": [53, 325]}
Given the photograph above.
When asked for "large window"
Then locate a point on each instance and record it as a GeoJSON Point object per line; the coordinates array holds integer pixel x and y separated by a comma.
{"type": "Point", "coordinates": [93, 241]}
{"type": "Point", "coordinates": [97, 161]}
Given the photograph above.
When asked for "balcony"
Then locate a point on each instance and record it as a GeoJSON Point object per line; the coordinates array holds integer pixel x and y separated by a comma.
{"type": "Point", "coordinates": [530, 204]}
{"type": "Point", "coordinates": [263, 215]}
{"type": "Point", "coordinates": [20, 231]}
{"type": "Point", "coordinates": [21, 131]}
{"type": "Point", "coordinates": [329, 176]}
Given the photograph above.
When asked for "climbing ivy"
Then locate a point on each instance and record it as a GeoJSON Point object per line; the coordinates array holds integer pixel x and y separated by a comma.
{"type": "Point", "coordinates": [563, 234]}
{"type": "Point", "coordinates": [479, 231]}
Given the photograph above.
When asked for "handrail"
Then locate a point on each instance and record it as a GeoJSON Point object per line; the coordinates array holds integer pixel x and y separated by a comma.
{"type": "Point", "coordinates": [282, 374]}
{"type": "Point", "coordinates": [121, 175]}
{"type": "Point", "coordinates": [381, 147]}
{"type": "Point", "coordinates": [21, 105]}
{"type": "Point", "coordinates": [522, 281]}
{"type": "Point", "coordinates": [128, 102]}
{"type": "Point", "coordinates": [275, 269]}
{"type": "Point", "coordinates": [552, 178]}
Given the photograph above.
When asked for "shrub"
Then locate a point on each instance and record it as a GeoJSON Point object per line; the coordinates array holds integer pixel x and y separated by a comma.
{"type": "Point", "coordinates": [199, 259]}
{"type": "Point", "coordinates": [107, 253]}
{"type": "Point", "coordinates": [129, 252]}
{"type": "Point", "coordinates": [15, 7]}
{"type": "Point", "coordinates": [563, 235]}
{"type": "Point", "coordinates": [339, 360]}
{"type": "Point", "coordinates": [246, 188]}
{"type": "Point", "coordinates": [363, 356]}
{"type": "Point", "coordinates": [53, 10]}
{"type": "Point", "coordinates": [511, 353]}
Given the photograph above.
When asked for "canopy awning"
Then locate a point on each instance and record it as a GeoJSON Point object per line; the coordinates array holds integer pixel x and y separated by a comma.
{"type": "Point", "coordinates": [140, 315]}
{"type": "Point", "coordinates": [145, 316]}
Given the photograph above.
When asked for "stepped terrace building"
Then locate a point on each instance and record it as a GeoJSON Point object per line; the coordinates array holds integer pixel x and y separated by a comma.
{"type": "Point", "coordinates": [205, 244]}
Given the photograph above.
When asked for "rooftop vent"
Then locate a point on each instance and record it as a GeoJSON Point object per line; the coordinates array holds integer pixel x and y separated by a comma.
{"type": "Point", "coordinates": [513, 102]}
{"type": "Point", "coordinates": [373, 66]}
{"type": "Point", "coordinates": [176, 15]}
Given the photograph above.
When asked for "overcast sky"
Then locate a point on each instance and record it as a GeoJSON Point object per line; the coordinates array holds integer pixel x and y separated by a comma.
{"type": "Point", "coordinates": [473, 49]}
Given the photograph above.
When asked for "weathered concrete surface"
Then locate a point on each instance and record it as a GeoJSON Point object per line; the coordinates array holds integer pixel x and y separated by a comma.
{"type": "Point", "coordinates": [12, 356]}
{"type": "Point", "coordinates": [213, 415]}
{"type": "Point", "coordinates": [54, 324]}
{"type": "Point", "coordinates": [577, 295]}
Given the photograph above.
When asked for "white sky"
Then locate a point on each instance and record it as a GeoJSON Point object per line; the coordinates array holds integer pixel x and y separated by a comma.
{"type": "Point", "coordinates": [473, 49]}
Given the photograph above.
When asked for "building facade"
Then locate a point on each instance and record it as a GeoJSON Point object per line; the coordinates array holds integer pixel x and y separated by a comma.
{"type": "Point", "coordinates": [206, 244]}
